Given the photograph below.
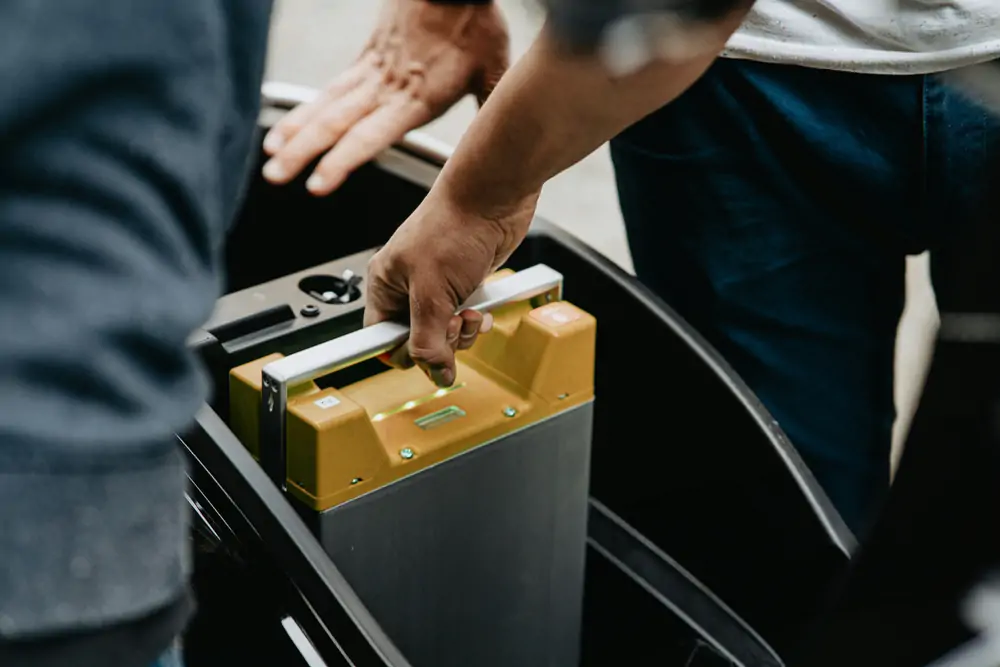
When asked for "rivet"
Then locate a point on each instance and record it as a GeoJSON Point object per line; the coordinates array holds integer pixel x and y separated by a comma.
{"type": "Point", "coordinates": [356, 480]}
{"type": "Point", "coordinates": [510, 412]}
{"type": "Point", "coordinates": [406, 453]}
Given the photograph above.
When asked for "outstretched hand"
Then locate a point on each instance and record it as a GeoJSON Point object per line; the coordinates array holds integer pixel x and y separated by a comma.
{"type": "Point", "coordinates": [422, 59]}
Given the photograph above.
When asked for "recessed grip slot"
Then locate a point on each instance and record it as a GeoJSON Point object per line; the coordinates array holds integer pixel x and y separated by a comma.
{"type": "Point", "coordinates": [249, 324]}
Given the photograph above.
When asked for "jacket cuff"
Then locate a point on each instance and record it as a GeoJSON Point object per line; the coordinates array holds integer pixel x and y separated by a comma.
{"type": "Point", "coordinates": [84, 551]}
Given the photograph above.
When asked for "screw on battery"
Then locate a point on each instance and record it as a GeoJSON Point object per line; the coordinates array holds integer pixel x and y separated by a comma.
{"type": "Point", "coordinates": [563, 397]}
{"type": "Point", "coordinates": [356, 480]}
{"type": "Point", "coordinates": [406, 453]}
{"type": "Point", "coordinates": [510, 412]}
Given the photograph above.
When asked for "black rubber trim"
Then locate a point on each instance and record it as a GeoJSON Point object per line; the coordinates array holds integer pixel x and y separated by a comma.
{"type": "Point", "coordinates": [828, 515]}
{"type": "Point", "coordinates": [285, 537]}
{"type": "Point", "coordinates": [675, 588]}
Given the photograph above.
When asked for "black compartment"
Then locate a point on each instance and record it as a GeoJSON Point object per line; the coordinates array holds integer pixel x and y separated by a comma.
{"type": "Point", "coordinates": [685, 453]}
{"type": "Point", "coordinates": [684, 456]}
{"type": "Point", "coordinates": [706, 480]}
{"type": "Point", "coordinates": [683, 450]}
{"type": "Point", "coordinates": [257, 564]}
{"type": "Point", "coordinates": [281, 230]}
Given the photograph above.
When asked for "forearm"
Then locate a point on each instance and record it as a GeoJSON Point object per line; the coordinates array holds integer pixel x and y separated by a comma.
{"type": "Point", "coordinates": [554, 108]}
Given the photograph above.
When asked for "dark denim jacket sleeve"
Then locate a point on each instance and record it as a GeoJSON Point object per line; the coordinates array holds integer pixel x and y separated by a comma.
{"type": "Point", "coordinates": [121, 136]}
{"type": "Point", "coordinates": [581, 23]}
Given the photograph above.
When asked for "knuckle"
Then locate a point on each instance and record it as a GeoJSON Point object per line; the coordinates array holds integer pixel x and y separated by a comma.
{"type": "Point", "coordinates": [288, 126]}
{"type": "Point", "coordinates": [427, 355]}
{"type": "Point", "coordinates": [383, 291]}
{"type": "Point", "coordinates": [372, 58]}
{"type": "Point", "coordinates": [377, 266]}
{"type": "Point", "coordinates": [322, 134]}
{"type": "Point", "coordinates": [393, 264]}
{"type": "Point", "coordinates": [377, 280]}
{"type": "Point", "coordinates": [375, 277]}
{"type": "Point", "coordinates": [390, 78]}
{"type": "Point", "coordinates": [434, 307]}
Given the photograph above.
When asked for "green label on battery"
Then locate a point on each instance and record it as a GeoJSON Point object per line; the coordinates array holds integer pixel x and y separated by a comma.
{"type": "Point", "coordinates": [449, 414]}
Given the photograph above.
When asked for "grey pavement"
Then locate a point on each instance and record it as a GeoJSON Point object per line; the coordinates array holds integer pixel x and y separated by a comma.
{"type": "Point", "coordinates": [312, 40]}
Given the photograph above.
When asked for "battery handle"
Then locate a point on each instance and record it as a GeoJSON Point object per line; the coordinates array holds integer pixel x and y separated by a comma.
{"type": "Point", "coordinates": [277, 377]}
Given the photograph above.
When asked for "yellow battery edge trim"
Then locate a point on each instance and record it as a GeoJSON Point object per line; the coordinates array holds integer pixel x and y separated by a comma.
{"type": "Point", "coordinates": [421, 462]}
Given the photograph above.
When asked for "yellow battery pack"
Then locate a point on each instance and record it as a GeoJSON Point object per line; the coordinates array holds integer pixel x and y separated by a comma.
{"type": "Point", "coordinates": [342, 443]}
{"type": "Point", "coordinates": [458, 515]}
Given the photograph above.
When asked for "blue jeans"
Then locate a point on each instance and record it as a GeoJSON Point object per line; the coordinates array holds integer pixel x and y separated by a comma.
{"type": "Point", "coordinates": [773, 206]}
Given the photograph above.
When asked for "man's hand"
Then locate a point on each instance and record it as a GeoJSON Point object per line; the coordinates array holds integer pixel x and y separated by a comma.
{"type": "Point", "coordinates": [430, 266]}
{"type": "Point", "coordinates": [550, 111]}
{"type": "Point", "coordinates": [422, 59]}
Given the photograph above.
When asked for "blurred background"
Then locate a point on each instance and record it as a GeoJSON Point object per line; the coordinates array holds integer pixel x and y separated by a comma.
{"type": "Point", "coordinates": [313, 40]}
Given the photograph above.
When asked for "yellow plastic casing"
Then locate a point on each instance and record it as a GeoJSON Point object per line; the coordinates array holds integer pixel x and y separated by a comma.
{"type": "Point", "coordinates": [534, 363]}
{"type": "Point", "coordinates": [244, 401]}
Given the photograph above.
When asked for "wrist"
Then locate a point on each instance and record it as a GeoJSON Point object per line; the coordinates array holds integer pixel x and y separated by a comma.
{"type": "Point", "coordinates": [505, 219]}
{"type": "Point", "coordinates": [494, 191]}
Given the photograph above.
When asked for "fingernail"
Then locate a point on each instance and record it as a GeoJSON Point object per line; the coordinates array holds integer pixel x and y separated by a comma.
{"type": "Point", "coordinates": [315, 183]}
{"type": "Point", "coordinates": [273, 142]}
{"type": "Point", "coordinates": [273, 171]}
{"type": "Point", "coordinates": [487, 323]}
{"type": "Point", "coordinates": [454, 330]}
{"type": "Point", "coordinates": [442, 377]}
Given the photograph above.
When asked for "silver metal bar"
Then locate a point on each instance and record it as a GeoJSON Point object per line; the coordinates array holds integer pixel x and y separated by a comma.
{"type": "Point", "coordinates": [337, 354]}
{"type": "Point", "coordinates": [205, 524]}
{"type": "Point", "coordinates": [302, 643]}
{"type": "Point", "coordinates": [371, 341]}
{"type": "Point", "coordinates": [273, 405]}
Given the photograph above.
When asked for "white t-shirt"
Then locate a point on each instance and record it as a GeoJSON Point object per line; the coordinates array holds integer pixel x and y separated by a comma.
{"type": "Point", "coordinates": [871, 36]}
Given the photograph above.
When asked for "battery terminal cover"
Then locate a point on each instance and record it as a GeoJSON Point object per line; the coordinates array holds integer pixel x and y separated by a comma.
{"type": "Point", "coordinates": [537, 361]}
